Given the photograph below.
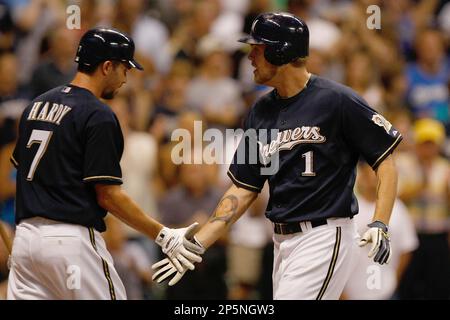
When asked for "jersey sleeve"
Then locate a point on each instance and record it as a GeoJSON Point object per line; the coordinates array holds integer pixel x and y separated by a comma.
{"type": "Point", "coordinates": [103, 149]}
{"type": "Point", "coordinates": [366, 131]}
{"type": "Point", "coordinates": [244, 171]}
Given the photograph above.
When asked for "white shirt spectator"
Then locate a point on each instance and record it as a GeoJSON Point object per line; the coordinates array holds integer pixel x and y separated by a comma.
{"type": "Point", "coordinates": [444, 19]}
{"type": "Point", "coordinates": [138, 167]}
{"type": "Point", "coordinates": [151, 39]}
{"type": "Point", "coordinates": [218, 95]}
{"type": "Point", "coordinates": [369, 280]}
{"type": "Point", "coordinates": [251, 231]}
{"type": "Point", "coordinates": [322, 34]}
{"type": "Point", "coordinates": [238, 6]}
{"type": "Point", "coordinates": [228, 28]}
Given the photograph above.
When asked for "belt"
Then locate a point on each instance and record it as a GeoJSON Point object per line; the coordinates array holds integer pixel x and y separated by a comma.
{"type": "Point", "coordinates": [294, 227]}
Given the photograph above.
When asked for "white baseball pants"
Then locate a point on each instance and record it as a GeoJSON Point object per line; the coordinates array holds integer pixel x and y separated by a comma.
{"type": "Point", "coordinates": [51, 260]}
{"type": "Point", "coordinates": [314, 264]}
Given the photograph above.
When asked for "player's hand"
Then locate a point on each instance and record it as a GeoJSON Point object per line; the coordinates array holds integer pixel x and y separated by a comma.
{"type": "Point", "coordinates": [180, 246]}
{"type": "Point", "coordinates": [164, 269]}
{"type": "Point", "coordinates": [381, 248]}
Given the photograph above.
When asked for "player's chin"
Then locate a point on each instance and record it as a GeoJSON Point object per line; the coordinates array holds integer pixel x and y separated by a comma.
{"type": "Point", "coordinates": [257, 77]}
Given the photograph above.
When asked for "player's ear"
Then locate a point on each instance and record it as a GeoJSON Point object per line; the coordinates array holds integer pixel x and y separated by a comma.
{"type": "Point", "coordinates": [107, 66]}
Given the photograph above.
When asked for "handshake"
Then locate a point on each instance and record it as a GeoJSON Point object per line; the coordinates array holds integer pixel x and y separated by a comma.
{"type": "Point", "coordinates": [181, 249]}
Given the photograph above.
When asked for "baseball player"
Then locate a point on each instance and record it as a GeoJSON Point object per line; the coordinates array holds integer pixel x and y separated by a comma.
{"type": "Point", "coordinates": [68, 177]}
{"type": "Point", "coordinates": [323, 129]}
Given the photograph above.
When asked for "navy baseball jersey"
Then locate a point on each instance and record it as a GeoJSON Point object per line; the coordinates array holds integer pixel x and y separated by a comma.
{"type": "Point", "coordinates": [68, 141]}
{"type": "Point", "coordinates": [323, 131]}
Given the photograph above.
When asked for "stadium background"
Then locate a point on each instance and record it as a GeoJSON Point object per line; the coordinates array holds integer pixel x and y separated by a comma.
{"type": "Point", "coordinates": [195, 70]}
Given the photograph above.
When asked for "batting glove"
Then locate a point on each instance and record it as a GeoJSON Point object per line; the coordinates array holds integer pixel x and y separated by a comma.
{"type": "Point", "coordinates": [381, 248]}
{"type": "Point", "coordinates": [164, 269]}
{"type": "Point", "coordinates": [179, 246]}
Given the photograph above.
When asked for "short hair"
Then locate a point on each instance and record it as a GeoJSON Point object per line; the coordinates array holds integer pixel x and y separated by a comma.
{"type": "Point", "coordinates": [300, 62]}
{"type": "Point", "coordinates": [89, 70]}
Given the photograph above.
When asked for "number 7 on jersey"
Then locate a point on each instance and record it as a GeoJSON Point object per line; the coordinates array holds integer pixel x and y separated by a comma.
{"type": "Point", "coordinates": [43, 138]}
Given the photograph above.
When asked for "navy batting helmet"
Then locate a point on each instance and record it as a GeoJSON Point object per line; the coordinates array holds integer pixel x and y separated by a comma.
{"type": "Point", "coordinates": [286, 37]}
{"type": "Point", "coordinates": [101, 44]}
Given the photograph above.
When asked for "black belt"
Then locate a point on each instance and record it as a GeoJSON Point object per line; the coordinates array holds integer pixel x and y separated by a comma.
{"type": "Point", "coordinates": [294, 227]}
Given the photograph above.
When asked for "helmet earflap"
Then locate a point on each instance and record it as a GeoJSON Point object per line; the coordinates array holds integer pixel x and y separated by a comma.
{"type": "Point", "coordinates": [280, 54]}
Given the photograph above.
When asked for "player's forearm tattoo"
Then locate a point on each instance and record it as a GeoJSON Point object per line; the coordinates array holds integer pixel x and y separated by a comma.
{"type": "Point", "coordinates": [226, 209]}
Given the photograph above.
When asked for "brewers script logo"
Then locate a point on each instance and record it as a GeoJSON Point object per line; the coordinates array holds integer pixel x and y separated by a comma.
{"type": "Point", "coordinates": [382, 122]}
{"type": "Point", "coordinates": [288, 139]}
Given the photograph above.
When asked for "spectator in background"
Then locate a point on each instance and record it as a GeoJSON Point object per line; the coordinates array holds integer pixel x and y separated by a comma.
{"type": "Point", "coordinates": [138, 163]}
{"type": "Point", "coordinates": [317, 62]}
{"type": "Point", "coordinates": [167, 169]}
{"type": "Point", "coordinates": [428, 78]}
{"type": "Point", "coordinates": [213, 92]}
{"type": "Point", "coordinates": [370, 281]}
{"type": "Point", "coordinates": [424, 181]}
{"type": "Point", "coordinates": [171, 101]}
{"type": "Point", "coordinates": [130, 260]}
{"type": "Point", "coordinates": [394, 94]}
{"type": "Point", "coordinates": [149, 34]}
{"type": "Point", "coordinates": [196, 192]}
{"type": "Point", "coordinates": [332, 10]}
{"type": "Point", "coordinates": [7, 34]}
{"type": "Point", "coordinates": [444, 20]}
{"type": "Point", "coordinates": [362, 78]}
{"type": "Point", "coordinates": [7, 171]}
{"type": "Point", "coordinates": [95, 13]}
{"type": "Point", "coordinates": [59, 67]}
{"type": "Point", "coordinates": [228, 25]}
{"type": "Point", "coordinates": [140, 98]}
{"type": "Point", "coordinates": [192, 200]}
{"type": "Point", "coordinates": [13, 97]}
{"type": "Point", "coordinates": [195, 25]}
{"type": "Point", "coordinates": [357, 37]}
{"type": "Point", "coordinates": [33, 19]}
{"type": "Point", "coordinates": [406, 18]}
{"type": "Point", "coordinates": [249, 236]}
{"type": "Point", "coordinates": [4, 263]}
{"type": "Point", "coordinates": [173, 12]}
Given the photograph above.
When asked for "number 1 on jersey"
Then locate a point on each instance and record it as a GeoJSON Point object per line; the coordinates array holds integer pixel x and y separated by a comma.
{"type": "Point", "coordinates": [309, 171]}
{"type": "Point", "coordinates": [43, 138]}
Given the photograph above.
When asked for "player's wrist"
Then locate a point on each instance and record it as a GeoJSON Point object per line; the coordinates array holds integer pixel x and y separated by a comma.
{"type": "Point", "coordinates": [161, 235]}
{"type": "Point", "coordinates": [162, 239]}
{"type": "Point", "coordinates": [379, 224]}
{"type": "Point", "coordinates": [197, 242]}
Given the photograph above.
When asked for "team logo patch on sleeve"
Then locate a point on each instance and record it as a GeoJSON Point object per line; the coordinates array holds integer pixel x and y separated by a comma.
{"type": "Point", "coordinates": [66, 89]}
{"type": "Point", "coordinates": [382, 122]}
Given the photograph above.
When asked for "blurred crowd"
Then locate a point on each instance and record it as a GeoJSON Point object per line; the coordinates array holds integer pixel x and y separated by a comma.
{"type": "Point", "coordinates": [195, 70]}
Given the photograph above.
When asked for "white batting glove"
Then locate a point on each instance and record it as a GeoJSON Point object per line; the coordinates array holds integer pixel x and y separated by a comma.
{"type": "Point", "coordinates": [381, 248]}
{"type": "Point", "coordinates": [164, 269]}
{"type": "Point", "coordinates": [179, 246]}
